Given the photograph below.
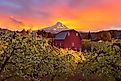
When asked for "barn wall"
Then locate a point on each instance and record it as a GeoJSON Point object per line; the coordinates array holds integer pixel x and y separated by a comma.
{"type": "Point", "coordinates": [59, 43]}
{"type": "Point", "coordinates": [72, 38]}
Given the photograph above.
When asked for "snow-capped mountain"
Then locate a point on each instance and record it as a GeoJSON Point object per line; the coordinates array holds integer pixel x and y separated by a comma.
{"type": "Point", "coordinates": [56, 28]}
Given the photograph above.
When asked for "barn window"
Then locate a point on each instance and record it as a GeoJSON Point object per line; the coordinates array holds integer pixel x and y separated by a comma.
{"type": "Point", "coordinates": [76, 34]}
{"type": "Point", "coordinates": [56, 44]}
{"type": "Point", "coordinates": [75, 48]}
{"type": "Point", "coordinates": [68, 34]}
{"type": "Point", "coordinates": [60, 44]}
{"type": "Point", "coordinates": [72, 44]}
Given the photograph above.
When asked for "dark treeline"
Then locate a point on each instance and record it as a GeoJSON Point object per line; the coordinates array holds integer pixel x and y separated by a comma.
{"type": "Point", "coordinates": [102, 35]}
{"type": "Point", "coordinates": [45, 34]}
{"type": "Point", "coordinates": [94, 36]}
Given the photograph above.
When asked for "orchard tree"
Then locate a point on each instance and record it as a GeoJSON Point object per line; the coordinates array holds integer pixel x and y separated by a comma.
{"type": "Point", "coordinates": [105, 36]}
{"type": "Point", "coordinates": [29, 57]}
{"type": "Point", "coordinates": [104, 63]}
{"type": "Point", "coordinates": [113, 34]}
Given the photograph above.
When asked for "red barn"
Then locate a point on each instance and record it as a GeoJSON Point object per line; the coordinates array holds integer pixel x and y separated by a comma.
{"type": "Point", "coordinates": [69, 39]}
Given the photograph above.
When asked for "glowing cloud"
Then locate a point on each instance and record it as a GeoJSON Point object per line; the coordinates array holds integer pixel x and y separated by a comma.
{"type": "Point", "coordinates": [78, 14]}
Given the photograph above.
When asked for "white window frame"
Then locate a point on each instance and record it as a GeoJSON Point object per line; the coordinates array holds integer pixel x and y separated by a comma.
{"type": "Point", "coordinates": [75, 48]}
{"type": "Point", "coordinates": [68, 33]}
{"type": "Point", "coordinates": [76, 34]}
{"type": "Point", "coordinates": [60, 44]}
{"type": "Point", "coordinates": [73, 44]}
{"type": "Point", "coordinates": [56, 44]}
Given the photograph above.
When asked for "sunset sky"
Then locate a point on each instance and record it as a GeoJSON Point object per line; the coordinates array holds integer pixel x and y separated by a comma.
{"type": "Point", "coordinates": [83, 15]}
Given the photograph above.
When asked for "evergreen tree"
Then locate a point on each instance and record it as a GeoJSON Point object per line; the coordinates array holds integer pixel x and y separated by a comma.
{"type": "Point", "coordinates": [89, 36]}
{"type": "Point", "coordinates": [23, 31]}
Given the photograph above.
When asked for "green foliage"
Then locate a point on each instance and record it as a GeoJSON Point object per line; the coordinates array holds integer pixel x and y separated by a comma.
{"type": "Point", "coordinates": [24, 56]}
{"type": "Point", "coordinates": [29, 57]}
{"type": "Point", "coordinates": [103, 61]}
{"type": "Point", "coordinates": [105, 36]}
{"type": "Point", "coordinates": [91, 46]}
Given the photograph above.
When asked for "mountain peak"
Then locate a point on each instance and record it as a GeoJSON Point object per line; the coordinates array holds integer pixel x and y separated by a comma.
{"type": "Point", "coordinates": [56, 28]}
{"type": "Point", "coordinates": [59, 24]}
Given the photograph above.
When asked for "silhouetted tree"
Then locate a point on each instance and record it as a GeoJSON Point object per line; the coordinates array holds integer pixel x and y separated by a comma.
{"type": "Point", "coordinates": [89, 35]}
{"type": "Point", "coordinates": [28, 31]}
{"type": "Point", "coordinates": [45, 34]}
{"type": "Point", "coordinates": [39, 32]}
{"type": "Point", "coordinates": [23, 31]}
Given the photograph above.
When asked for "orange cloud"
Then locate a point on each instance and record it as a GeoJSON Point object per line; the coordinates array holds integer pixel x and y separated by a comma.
{"type": "Point", "coordinates": [84, 15]}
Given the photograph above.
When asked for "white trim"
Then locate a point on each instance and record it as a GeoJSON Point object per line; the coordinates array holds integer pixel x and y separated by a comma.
{"type": "Point", "coordinates": [68, 33]}
{"type": "Point", "coordinates": [60, 44]}
{"type": "Point", "coordinates": [56, 44]}
{"type": "Point", "coordinates": [73, 44]}
{"type": "Point", "coordinates": [76, 34]}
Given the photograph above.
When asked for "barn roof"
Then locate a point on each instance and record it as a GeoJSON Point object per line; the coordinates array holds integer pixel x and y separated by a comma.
{"type": "Point", "coordinates": [62, 35]}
